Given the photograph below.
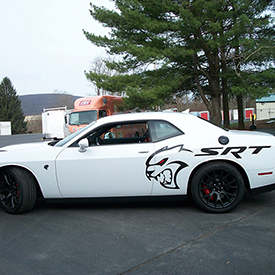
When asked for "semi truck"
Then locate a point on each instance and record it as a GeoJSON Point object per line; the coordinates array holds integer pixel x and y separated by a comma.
{"type": "Point", "coordinates": [89, 109]}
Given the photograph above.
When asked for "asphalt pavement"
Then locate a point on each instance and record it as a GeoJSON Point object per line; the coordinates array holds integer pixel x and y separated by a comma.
{"type": "Point", "coordinates": [139, 238]}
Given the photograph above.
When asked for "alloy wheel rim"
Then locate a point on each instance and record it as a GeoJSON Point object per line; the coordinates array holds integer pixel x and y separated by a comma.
{"type": "Point", "coordinates": [9, 192]}
{"type": "Point", "coordinates": [218, 188]}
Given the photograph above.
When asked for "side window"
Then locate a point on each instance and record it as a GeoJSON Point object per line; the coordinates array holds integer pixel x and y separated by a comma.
{"type": "Point", "coordinates": [123, 133]}
{"type": "Point", "coordinates": [163, 130]}
{"type": "Point", "coordinates": [102, 113]}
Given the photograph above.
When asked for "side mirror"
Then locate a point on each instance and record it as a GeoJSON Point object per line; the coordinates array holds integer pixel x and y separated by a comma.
{"type": "Point", "coordinates": [83, 145]}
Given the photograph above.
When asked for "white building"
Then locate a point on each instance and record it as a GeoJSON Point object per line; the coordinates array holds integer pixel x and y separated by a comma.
{"type": "Point", "coordinates": [265, 107]}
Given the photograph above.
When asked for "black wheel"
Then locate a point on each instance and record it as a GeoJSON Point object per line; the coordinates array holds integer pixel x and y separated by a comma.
{"type": "Point", "coordinates": [17, 190]}
{"type": "Point", "coordinates": [217, 187]}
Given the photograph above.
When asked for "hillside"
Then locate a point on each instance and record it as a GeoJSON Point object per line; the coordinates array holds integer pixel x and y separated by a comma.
{"type": "Point", "coordinates": [34, 104]}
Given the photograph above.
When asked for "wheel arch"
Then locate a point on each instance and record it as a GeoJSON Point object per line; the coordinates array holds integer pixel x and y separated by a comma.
{"type": "Point", "coordinates": [236, 165]}
{"type": "Point", "coordinates": [38, 189]}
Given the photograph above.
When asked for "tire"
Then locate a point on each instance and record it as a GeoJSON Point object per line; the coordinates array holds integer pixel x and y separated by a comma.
{"type": "Point", "coordinates": [17, 190]}
{"type": "Point", "coordinates": [217, 187]}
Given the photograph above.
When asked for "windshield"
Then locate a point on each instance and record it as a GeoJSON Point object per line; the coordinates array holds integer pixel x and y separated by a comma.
{"type": "Point", "coordinates": [82, 118]}
{"type": "Point", "coordinates": [71, 136]}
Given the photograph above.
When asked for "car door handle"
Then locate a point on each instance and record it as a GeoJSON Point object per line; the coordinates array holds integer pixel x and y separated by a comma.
{"type": "Point", "coordinates": [143, 152]}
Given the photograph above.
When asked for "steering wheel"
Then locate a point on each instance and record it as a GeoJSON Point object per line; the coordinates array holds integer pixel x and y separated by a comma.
{"type": "Point", "coordinates": [98, 141]}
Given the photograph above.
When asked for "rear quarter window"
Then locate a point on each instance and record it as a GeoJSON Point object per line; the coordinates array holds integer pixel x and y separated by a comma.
{"type": "Point", "coordinates": [162, 130]}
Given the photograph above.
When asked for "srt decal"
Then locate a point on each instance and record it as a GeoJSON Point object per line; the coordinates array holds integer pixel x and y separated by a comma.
{"type": "Point", "coordinates": [163, 169]}
{"type": "Point", "coordinates": [235, 151]}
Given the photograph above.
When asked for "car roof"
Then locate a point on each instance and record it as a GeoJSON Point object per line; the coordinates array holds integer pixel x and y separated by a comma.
{"type": "Point", "coordinates": [145, 116]}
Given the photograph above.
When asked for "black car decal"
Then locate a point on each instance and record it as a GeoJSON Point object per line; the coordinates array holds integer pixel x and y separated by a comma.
{"type": "Point", "coordinates": [163, 169]}
{"type": "Point", "coordinates": [235, 151]}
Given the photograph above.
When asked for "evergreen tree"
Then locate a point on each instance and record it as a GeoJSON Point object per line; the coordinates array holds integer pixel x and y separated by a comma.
{"type": "Point", "coordinates": [172, 47]}
{"type": "Point", "coordinates": [10, 107]}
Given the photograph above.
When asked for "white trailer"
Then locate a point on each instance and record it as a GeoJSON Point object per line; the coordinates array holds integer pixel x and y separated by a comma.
{"type": "Point", "coordinates": [55, 122]}
{"type": "Point", "coordinates": [5, 128]}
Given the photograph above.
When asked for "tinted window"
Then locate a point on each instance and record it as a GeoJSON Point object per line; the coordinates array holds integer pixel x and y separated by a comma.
{"type": "Point", "coordinates": [162, 130]}
{"type": "Point", "coordinates": [121, 133]}
{"type": "Point", "coordinates": [102, 113]}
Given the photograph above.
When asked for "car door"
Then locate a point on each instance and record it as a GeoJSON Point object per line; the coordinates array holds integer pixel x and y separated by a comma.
{"type": "Point", "coordinates": [112, 166]}
{"type": "Point", "coordinates": [169, 165]}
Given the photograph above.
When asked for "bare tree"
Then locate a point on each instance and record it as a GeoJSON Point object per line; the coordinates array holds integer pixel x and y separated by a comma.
{"type": "Point", "coordinates": [62, 99]}
{"type": "Point", "coordinates": [99, 69]}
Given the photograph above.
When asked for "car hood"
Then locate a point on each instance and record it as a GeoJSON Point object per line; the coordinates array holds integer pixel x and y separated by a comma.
{"type": "Point", "coordinates": [24, 146]}
{"type": "Point", "coordinates": [29, 152]}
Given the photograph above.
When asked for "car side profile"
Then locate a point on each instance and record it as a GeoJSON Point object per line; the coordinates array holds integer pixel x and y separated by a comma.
{"type": "Point", "coordinates": [140, 155]}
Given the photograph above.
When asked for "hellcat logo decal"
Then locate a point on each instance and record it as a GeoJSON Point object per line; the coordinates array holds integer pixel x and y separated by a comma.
{"type": "Point", "coordinates": [164, 169]}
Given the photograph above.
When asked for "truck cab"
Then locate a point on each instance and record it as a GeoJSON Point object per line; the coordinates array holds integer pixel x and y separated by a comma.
{"type": "Point", "coordinates": [89, 109]}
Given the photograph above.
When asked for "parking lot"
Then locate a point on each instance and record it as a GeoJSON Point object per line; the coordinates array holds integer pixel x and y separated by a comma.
{"type": "Point", "coordinates": [138, 238]}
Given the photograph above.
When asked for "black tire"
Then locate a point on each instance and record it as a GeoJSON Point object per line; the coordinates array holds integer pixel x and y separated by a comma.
{"type": "Point", "coordinates": [217, 187]}
{"type": "Point", "coordinates": [17, 190]}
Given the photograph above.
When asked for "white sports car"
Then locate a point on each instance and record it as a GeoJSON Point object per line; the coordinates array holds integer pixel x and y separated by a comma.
{"type": "Point", "coordinates": [151, 155]}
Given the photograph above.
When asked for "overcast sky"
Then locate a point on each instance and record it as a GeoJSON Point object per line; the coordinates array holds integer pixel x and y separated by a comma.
{"type": "Point", "coordinates": [43, 48]}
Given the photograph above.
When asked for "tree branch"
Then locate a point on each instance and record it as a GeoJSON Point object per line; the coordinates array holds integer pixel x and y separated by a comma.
{"type": "Point", "coordinates": [242, 61]}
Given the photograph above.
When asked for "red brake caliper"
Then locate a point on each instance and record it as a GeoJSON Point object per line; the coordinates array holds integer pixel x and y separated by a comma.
{"type": "Point", "coordinates": [207, 192]}
{"type": "Point", "coordinates": [17, 192]}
